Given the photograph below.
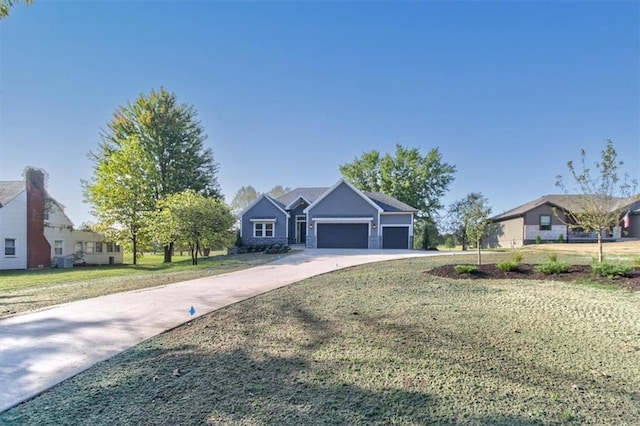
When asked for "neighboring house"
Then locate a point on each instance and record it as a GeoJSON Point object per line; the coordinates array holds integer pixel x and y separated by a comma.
{"type": "Point", "coordinates": [36, 233]}
{"type": "Point", "coordinates": [338, 217]}
{"type": "Point", "coordinates": [547, 218]}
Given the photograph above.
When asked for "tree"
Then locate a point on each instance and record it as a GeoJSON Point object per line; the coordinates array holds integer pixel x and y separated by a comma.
{"type": "Point", "coordinates": [194, 220]}
{"type": "Point", "coordinates": [455, 224]}
{"type": "Point", "coordinates": [243, 198]}
{"type": "Point", "coordinates": [601, 203]}
{"type": "Point", "coordinates": [171, 142]}
{"type": "Point", "coordinates": [474, 216]}
{"type": "Point", "coordinates": [121, 193]}
{"type": "Point", "coordinates": [419, 181]}
{"type": "Point", "coordinates": [278, 191]}
{"type": "Point", "coordinates": [6, 4]}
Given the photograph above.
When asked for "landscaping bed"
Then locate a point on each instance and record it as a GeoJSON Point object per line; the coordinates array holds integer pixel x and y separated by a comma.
{"type": "Point", "coordinates": [528, 272]}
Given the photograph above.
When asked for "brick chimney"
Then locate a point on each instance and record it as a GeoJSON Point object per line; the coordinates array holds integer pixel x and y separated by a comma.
{"type": "Point", "coordinates": [38, 248]}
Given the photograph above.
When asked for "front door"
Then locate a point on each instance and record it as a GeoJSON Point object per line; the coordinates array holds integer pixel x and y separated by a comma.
{"type": "Point", "coordinates": [301, 229]}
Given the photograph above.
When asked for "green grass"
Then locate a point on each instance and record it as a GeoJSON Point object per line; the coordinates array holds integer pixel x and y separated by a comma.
{"type": "Point", "coordinates": [378, 344]}
{"type": "Point", "coordinates": [22, 291]}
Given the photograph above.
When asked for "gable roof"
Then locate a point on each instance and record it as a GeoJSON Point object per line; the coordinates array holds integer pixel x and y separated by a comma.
{"type": "Point", "coordinates": [9, 190]}
{"type": "Point", "coordinates": [276, 203]}
{"type": "Point", "coordinates": [350, 185]}
{"type": "Point", "coordinates": [389, 204]}
{"type": "Point", "coordinates": [308, 194]}
{"type": "Point", "coordinates": [312, 194]}
{"type": "Point", "coordinates": [568, 202]}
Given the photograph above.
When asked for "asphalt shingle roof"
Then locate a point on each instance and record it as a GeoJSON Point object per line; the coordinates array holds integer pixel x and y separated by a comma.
{"type": "Point", "coordinates": [10, 190]}
{"type": "Point", "coordinates": [385, 202]}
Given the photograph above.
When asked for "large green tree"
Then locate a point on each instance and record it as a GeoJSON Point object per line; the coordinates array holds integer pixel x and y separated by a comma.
{"type": "Point", "coordinates": [415, 179]}
{"type": "Point", "coordinates": [602, 196]}
{"type": "Point", "coordinates": [121, 193]}
{"type": "Point", "coordinates": [194, 220]}
{"type": "Point", "coordinates": [171, 144]}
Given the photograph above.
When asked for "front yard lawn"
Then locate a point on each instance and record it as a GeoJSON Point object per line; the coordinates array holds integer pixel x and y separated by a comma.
{"type": "Point", "coordinates": [22, 291]}
{"type": "Point", "coordinates": [384, 344]}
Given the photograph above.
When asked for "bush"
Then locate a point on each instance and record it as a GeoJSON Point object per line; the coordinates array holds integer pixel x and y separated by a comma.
{"type": "Point", "coordinates": [636, 261]}
{"type": "Point", "coordinates": [517, 257]}
{"type": "Point", "coordinates": [466, 269]}
{"type": "Point", "coordinates": [508, 266]}
{"type": "Point", "coordinates": [553, 257]}
{"type": "Point", "coordinates": [538, 239]}
{"type": "Point", "coordinates": [561, 239]}
{"type": "Point", "coordinates": [450, 242]}
{"type": "Point", "coordinates": [238, 239]}
{"type": "Point", "coordinates": [610, 270]}
{"type": "Point", "coordinates": [553, 267]}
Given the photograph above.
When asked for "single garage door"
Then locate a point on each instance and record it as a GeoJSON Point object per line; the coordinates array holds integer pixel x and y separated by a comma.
{"type": "Point", "coordinates": [343, 235]}
{"type": "Point", "coordinates": [395, 237]}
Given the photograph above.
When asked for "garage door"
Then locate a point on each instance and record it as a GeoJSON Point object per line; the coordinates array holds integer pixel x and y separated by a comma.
{"type": "Point", "coordinates": [395, 237]}
{"type": "Point", "coordinates": [343, 235]}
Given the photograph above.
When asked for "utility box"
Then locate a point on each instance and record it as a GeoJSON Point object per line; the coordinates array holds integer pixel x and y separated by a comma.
{"type": "Point", "coordinates": [64, 262]}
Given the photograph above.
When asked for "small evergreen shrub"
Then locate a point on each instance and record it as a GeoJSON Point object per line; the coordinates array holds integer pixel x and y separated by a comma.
{"type": "Point", "coordinates": [538, 239]}
{"type": "Point", "coordinates": [561, 239]}
{"type": "Point", "coordinates": [466, 269]}
{"type": "Point", "coordinates": [508, 266]}
{"type": "Point", "coordinates": [610, 270]}
{"type": "Point", "coordinates": [238, 239]}
{"type": "Point", "coordinates": [553, 267]}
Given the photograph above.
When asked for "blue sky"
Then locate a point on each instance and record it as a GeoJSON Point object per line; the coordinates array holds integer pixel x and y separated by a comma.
{"type": "Point", "coordinates": [286, 91]}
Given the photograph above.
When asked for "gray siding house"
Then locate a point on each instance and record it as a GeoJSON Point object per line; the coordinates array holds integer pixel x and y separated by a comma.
{"type": "Point", "coordinates": [341, 216]}
{"type": "Point", "coordinates": [549, 217]}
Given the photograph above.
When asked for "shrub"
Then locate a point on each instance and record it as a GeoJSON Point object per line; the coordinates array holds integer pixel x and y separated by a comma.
{"type": "Point", "coordinates": [553, 267]}
{"type": "Point", "coordinates": [538, 239]}
{"type": "Point", "coordinates": [636, 261]}
{"type": "Point", "coordinates": [508, 266]}
{"type": "Point", "coordinates": [450, 242]}
{"type": "Point", "coordinates": [610, 270]}
{"type": "Point", "coordinates": [553, 257]}
{"type": "Point", "coordinates": [238, 239]}
{"type": "Point", "coordinates": [561, 239]}
{"type": "Point", "coordinates": [517, 257]}
{"type": "Point", "coordinates": [466, 269]}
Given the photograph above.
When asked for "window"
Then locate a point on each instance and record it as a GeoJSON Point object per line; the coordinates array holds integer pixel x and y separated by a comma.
{"type": "Point", "coordinates": [263, 229]}
{"type": "Point", "coordinates": [545, 222]}
{"type": "Point", "coordinates": [9, 247]}
{"type": "Point", "coordinates": [90, 247]}
{"type": "Point", "coordinates": [109, 247]}
{"type": "Point", "coordinates": [46, 214]}
{"type": "Point", "coordinates": [98, 247]}
{"type": "Point", "coordinates": [57, 247]}
{"type": "Point", "coordinates": [79, 247]}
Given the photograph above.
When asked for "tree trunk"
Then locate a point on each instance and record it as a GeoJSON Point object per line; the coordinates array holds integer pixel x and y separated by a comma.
{"type": "Point", "coordinates": [195, 257]}
{"type": "Point", "coordinates": [479, 253]}
{"type": "Point", "coordinates": [168, 252]}
{"type": "Point", "coordinates": [134, 240]}
{"type": "Point", "coordinates": [600, 257]}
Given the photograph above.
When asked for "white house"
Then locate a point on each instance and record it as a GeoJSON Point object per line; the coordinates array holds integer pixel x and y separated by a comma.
{"type": "Point", "coordinates": [35, 232]}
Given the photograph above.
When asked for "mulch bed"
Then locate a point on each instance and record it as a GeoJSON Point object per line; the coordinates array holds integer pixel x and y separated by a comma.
{"type": "Point", "coordinates": [527, 272]}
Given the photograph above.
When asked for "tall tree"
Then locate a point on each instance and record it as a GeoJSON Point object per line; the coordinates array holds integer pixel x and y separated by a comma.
{"type": "Point", "coordinates": [603, 197]}
{"type": "Point", "coordinates": [121, 193]}
{"type": "Point", "coordinates": [417, 180]}
{"type": "Point", "coordinates": [194, 220]}
{"type": "Point", "coordinates": [6, 4]}
{"type": "Point", "coordinates": [245, 196]}
{"type": "Point", "coordinates": [278, 191]}
{"type": "Point", "coordinates": [474, 215]}
{"type": "Point", "coordinates": [171, 141]}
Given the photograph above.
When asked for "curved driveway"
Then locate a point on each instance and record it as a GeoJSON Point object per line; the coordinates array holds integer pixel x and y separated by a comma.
{"type": "Point", "coordinates": [41, 349]}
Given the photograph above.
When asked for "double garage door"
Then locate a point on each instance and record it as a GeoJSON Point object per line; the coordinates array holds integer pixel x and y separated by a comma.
{"type": "Point", "coordinates": [356, 235]}
{"type": "Point", "coordinates": [343, 235]}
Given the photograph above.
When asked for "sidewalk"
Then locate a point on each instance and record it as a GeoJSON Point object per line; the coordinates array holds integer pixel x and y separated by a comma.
{"type": "Point", "coordinates": [41, 349]}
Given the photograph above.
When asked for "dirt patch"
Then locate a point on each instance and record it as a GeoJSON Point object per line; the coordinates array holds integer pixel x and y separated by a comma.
{"type": "Point", "coordinates": [528, 272]}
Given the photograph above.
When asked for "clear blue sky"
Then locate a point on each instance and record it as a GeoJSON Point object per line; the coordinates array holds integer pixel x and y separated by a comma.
{"type": "Point", "coordinates": [286, 91]}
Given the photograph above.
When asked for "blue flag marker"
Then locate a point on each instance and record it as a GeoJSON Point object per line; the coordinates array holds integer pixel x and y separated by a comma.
{"type": "Point", "coordinates": [192, 311]}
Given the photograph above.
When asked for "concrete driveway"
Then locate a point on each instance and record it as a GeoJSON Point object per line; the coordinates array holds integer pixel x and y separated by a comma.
{"type": "Point", "coordinates": [41, 349]}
